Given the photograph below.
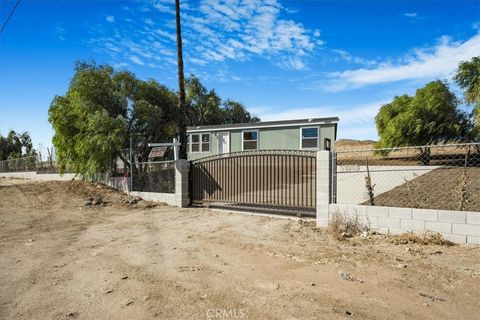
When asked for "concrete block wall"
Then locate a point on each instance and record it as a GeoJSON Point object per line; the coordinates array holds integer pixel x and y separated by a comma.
{"type": "Point", "coordinates": [168, 198]}
{"type": "Point", "coordinates": [181, 183]}
{"type": "Point", "coordinates": [32, 175]}
{"type": "Point", "coordinates": [456, 226]}
{"type": "Point", "coordinates": [324, 186]}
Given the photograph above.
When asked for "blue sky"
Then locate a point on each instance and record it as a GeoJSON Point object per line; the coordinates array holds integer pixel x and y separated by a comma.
{"type": "Point", "coordinates": [282, 59]}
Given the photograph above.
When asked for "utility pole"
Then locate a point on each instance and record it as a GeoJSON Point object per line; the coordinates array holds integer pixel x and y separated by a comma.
{"type": "Point", "coordinates": [182, 123]}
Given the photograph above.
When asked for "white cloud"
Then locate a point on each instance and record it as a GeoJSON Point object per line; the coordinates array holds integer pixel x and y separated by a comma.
{"type": "Point", "coordinates": [410, 14]}
{"type": "Point", "coordinates": [347, 114]}
{"type": "Point", "coordinates": [439, 61]}
{"type": "Point", "coordinates": [239, 30]}
{"type": "Point", "coordinates": [221, 30]}
{"type": "Point", "coordinates": [347, 57]}
{"type": "Point", "coordinates": [110, 19]}
{"type": "Point", "coordinates": [355, 121]}
{"type": "Point", "coordinates": [136, 60]}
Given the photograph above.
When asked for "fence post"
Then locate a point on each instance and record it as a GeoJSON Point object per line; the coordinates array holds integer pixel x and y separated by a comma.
{"type": "Point", "coordinates": [324, 186]}
{"type": "Point", "coordinates": [181, 183]}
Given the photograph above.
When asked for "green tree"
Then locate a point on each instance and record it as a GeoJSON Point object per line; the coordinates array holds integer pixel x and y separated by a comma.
{"type": "Point", "coordinates": [16, 145]}
{"type": "Point", "coordinates": [203, 105]}
{"type": "Point", "coordinates": [468, 79]}
{"type": "Point", "coordinates": [206, 107]}
{"type": "Point", "coordinates": [429, 117]}
{"type": "Point", "coordinates": [235, 112]}
{"type": "Point", "coordinates": [101, 110]}
{"type": "Point", "coordinates": [154, 116]}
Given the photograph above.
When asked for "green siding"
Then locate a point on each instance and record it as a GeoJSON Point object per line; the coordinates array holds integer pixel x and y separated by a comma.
{"type": "Point", "coordinates": [327, 131]}
{"type": "Point", "coordinates": [287, 138]}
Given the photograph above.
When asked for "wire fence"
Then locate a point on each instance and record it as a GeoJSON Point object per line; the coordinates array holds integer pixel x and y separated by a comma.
{"type": "Point", "coordinates": [155, 176]}
{"type": "Point", "coordinates": [29, 163]}
{"type": "Point", "coordinates": [443, 177]}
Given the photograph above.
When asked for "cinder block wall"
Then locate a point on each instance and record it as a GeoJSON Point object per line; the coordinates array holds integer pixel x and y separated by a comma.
{"type": "Point", "coordinates": [456, 226]}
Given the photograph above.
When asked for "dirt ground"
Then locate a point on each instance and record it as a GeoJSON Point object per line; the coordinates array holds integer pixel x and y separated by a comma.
{"type": "Point", "coordinates": [437, 189]}
{"type": "Point", "coordinates": [60, 259]}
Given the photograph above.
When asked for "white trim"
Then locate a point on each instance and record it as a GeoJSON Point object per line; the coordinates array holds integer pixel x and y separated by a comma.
{"type": "Point", "coordinates": [318, 138]}
{"type": "Point", "coordinates": [200, 143]}
{"type": "Point", "coordinates": [258, 138]}
{"type": "Point", "coordinates": [264, 126]}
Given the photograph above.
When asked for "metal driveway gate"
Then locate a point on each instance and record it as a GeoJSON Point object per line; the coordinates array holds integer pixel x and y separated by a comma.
{"type": "Point", "coordinates": [267, 180]}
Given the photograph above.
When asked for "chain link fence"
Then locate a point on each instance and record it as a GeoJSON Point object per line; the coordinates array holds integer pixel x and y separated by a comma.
{"type": "Point", "coordinates": [29, 163]}
{"type": "Point", "coordinates": [445, 177]}
{"type": "Point", "coordinates": [155, 176]}
{"type": "Point", "coordinates": [19, 164]}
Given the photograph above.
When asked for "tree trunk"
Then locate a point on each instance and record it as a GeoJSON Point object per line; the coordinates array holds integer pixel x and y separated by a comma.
{"type": "Point", "coordinates": [182, 128]}
{"type": "Point", "coordinates": [425, 155]}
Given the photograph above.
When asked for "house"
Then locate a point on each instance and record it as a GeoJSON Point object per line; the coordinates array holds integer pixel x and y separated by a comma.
{"type": "Point", "coordinates": [304, 134]}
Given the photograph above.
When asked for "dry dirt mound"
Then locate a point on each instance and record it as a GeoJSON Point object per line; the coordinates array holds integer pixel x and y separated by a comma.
{"type": "Point", "coordinates": [437, 189]}
{"type": "Point", "coordinates": [76, 193]}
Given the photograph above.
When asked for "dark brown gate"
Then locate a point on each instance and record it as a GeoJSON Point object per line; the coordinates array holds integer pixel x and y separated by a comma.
{"type": "Point", "coordinates": [267, 180]}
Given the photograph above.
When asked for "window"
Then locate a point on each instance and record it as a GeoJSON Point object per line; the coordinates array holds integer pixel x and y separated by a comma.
{"type": "Point", "coordinates": [309, 138]}
{"type": "Point", "coordinates": [200, 142]}
{"type": "Point", "coordinates": [250, 140]}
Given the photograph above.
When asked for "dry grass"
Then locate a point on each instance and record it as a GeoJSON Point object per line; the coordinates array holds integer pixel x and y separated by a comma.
{"type": "Point", "coordinates": [341, 226]}
{"type": "Point", "coordinates": [425, 238]}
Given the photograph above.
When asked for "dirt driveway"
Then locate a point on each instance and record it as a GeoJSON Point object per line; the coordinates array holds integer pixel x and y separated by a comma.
{"type": "Point", "coordinates": [62, 260]}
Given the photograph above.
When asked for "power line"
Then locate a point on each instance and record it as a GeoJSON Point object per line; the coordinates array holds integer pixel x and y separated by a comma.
{"type": "Point", "coordinates": [11, 14]}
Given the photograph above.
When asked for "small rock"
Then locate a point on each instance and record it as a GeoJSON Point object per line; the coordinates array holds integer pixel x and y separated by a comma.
{"type": "Point", "coordinates": [107, 291]}
{"type": "Point", "coordinates": [436, 252]}
{"type": "Point", "coordinates": [365, 234]}
{"type": "Point", "coordinates": [128, 302]}
{"type": "Point", "coordinates": [408, 249]}
{"type": "Point", "coordinates": [203, 296]}
{"type": "Point", "coordinates": [97, 201]}
{"type": "Point", "coordinates": [31, 240]}
{"type": "Point", "coordinates": [312, 284]}
{"type": "Point", "coordinates": [124, 277]}
{"type": "Point", "coordinates": [346, 235]}
{"type": "Point", "coordinates": [401, 266]}
{"type": "Point", "coordinates": [145, 298]}
{"type": "Point", "coordinates": [345, 276]}
{"type": "Point", "coordinates": [348, 313]}
{"type": "Point", "coordinates": [278, 286]}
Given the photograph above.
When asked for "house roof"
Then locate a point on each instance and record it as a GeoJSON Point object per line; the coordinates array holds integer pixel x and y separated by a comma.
{"type": "Point", "coordinates": [265, 124]}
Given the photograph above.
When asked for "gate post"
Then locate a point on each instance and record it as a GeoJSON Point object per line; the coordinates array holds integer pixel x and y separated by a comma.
{"type": "Point", "coordinates": [324, 186]}
{"type": "Point", "coordinates": [181, 183]}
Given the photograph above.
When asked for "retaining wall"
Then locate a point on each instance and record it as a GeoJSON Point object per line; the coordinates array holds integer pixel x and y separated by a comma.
{"type": "Point", "coordinates": [456, 226]}
{"type": "Point", "coordinates": [168, 198]}
{"type": "Point", "coordinates": [32, 175]}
